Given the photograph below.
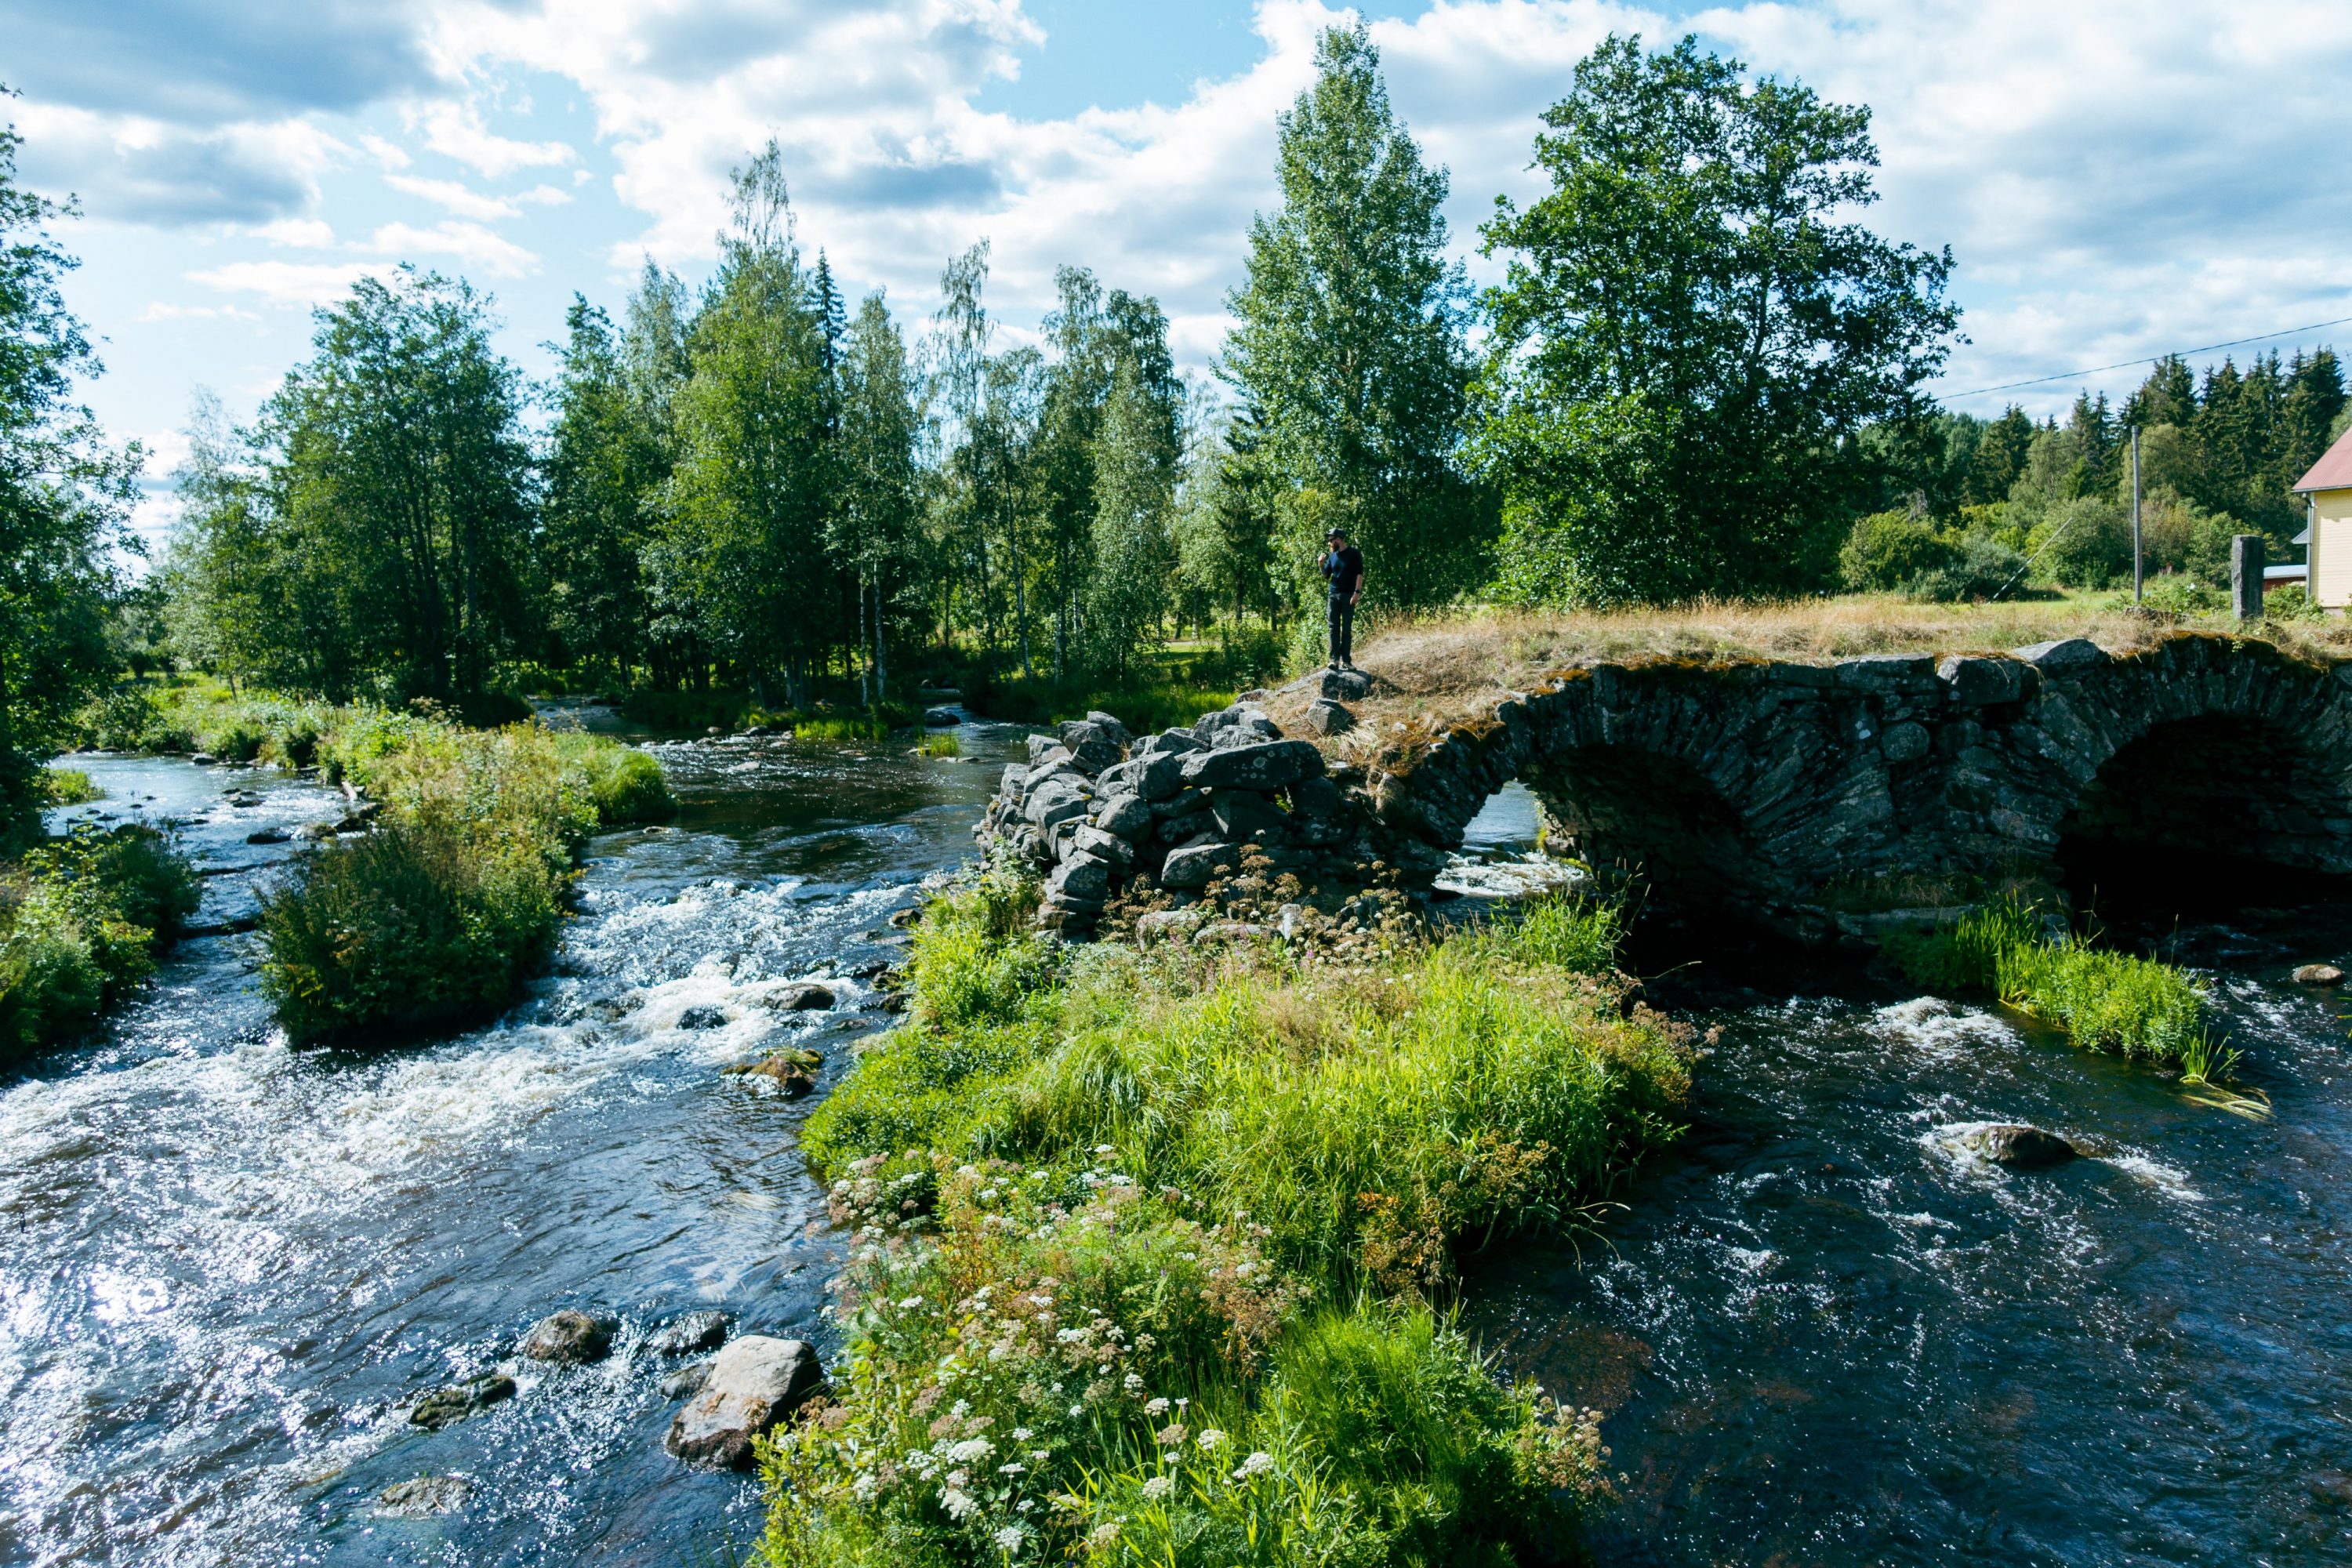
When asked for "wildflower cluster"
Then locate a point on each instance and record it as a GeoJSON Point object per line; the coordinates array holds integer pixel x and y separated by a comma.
{"type": "Point", "coordinates": [1009, 1327]}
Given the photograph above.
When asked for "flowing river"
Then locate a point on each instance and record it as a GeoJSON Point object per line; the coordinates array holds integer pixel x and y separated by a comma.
{"type": "Point", "coordinates": [1821, 1333]}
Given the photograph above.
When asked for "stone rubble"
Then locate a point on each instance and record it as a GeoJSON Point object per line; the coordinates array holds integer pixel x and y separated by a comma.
{"type": "Point", "coordinates": [1096, 810]}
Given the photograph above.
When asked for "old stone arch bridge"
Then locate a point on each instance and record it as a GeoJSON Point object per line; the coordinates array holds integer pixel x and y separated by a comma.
{"type": "Point", "coordinates": [1786, 791]}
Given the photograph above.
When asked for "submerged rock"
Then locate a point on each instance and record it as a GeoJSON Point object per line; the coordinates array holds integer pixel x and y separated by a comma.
{"type": "Point", "coordinates": [269, 835]}
{"type": "Point", "coordinates": [447, 1406]}
{"type": "Point", "coordinates": [2319, 974]}
{"type": "Point", "coordinates": [753, 1384]}
{"type": "Point", "coordinates": [2018, 1146]}
{"type": "Point", "coordinates": [425, 1497]}
{"type": "Point", "coordinates": [804, 997]}
{"type": "Point", "coordinates": [703, 1017]}
{"type": "Point", "coordinates": [569, 1338]}
{"type": "Point", "coordinates": [704, 1330]}
{"type": "Point", "coordinates": [792, 1070]}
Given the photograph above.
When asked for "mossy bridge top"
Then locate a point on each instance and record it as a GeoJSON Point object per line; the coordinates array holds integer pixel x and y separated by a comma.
{"type": "Point", "coordinates": [1815, 796]}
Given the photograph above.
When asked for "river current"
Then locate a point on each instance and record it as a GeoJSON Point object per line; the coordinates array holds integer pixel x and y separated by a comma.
{"type": "Point", "coordinates": [1822, 1334]}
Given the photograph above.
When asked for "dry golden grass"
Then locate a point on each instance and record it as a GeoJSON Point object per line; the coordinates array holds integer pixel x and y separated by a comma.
{"type": "Point", "coordinates": [1437, 670]}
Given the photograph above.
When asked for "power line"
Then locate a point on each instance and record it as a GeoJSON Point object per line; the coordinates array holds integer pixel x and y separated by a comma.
{"type": "Point", "coordinates": [2127, 364]}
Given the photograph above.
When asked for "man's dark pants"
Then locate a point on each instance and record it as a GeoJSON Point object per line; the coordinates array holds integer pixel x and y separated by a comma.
{"type": "Point", "coordinates": [1343, 630]}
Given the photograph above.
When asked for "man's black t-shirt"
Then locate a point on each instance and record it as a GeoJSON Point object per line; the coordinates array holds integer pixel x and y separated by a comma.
{"type": "Point", "coordinates": [1344, 568]}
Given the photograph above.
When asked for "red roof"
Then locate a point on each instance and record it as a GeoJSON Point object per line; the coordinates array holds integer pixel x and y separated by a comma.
{"type": "Point", "coordinates": [2333, 470]}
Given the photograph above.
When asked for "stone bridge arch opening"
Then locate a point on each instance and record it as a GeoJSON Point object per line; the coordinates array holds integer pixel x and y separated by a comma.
{"type": "Point", "coordinates": [1649, 821]}
{"type": "Point", "coordinates": [2209, 812]}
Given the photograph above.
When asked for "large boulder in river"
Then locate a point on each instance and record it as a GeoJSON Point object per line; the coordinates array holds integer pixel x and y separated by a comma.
{"type": "Point", "coordinates": [1264, 765]}
{"type": "Point", "coordinates": [753, 1384]}
{"type": "Point", "coordinates": [2017, 1145]}
{"type": "Point", "coordinates": [569, 1338]}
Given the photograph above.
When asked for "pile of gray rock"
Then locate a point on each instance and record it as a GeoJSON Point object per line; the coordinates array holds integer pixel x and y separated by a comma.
{"type": "Point", "coordinates": [1095, 807]}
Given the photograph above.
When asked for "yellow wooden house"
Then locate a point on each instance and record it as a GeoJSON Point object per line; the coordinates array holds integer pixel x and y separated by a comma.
{"type": "Point", "coordinates": [2327, 541]}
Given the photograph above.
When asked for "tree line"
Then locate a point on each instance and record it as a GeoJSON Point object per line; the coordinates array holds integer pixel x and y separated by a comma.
{"type": "Point", "coordinates": [1700, 374]}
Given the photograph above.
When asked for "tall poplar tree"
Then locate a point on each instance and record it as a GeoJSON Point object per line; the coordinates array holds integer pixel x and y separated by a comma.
{"type": "Point", "coordinates": [743, 541]}
{"type": "Point", "coordinates": [1348, 349]}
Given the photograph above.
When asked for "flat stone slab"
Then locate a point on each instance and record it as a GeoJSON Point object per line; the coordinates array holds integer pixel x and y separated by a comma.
{"type": "Point", "coordinates": [2066, 656]}
{"type": "Point", "coordinates": [1264, 765]}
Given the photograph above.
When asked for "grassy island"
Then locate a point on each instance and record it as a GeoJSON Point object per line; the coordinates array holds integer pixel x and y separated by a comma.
{"type": "Point", "coordinates": [436, 913]}
{"type": "Point", "coordinates": [1153, 1249]}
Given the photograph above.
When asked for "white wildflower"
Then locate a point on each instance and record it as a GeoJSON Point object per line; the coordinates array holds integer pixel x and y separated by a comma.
{"type": "Point", "coordinates": [958, 1504]}
{"type": "Point", "coordinates": [969, 1450]}
{"type": "Point", "coordinates": [1014, 1469]}
{"type": "Point", "coordinates": [910, 1303]}
{"type": "Point", "coordinates": [1257, 1464]}
{"type": "Point", "coordinates": [1134, 1384]}
{"type": "Point", "coordinates": [1156, 1407]}
{"type": "Point", "coordinates": [1106, 1148]}
{"type": "Point", "coordinates": [1010, 1538]}
{"type": "Point", "coordinates": [1021, 1433]}
{"type": "Point", "coordinates": [1211, 1438]}
{"type": "Point", "coordinates": [1103, 1537]}
{"type": "Point", "coordinates": [1157, 1486]}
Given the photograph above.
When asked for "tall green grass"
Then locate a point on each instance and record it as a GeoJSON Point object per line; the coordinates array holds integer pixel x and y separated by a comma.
{"type": "Point", "coordinates": [2138, 1008]}
{"type": "Point", "coordinates": [1163, 1233]}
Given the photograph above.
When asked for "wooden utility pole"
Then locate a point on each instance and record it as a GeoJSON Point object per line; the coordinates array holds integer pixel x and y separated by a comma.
{"type": "Point", "coordinates": [2140, 574]}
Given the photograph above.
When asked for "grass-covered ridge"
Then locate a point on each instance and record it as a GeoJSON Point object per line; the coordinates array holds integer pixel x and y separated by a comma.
{"type": "Point", "coordinates": [1153, 1249]}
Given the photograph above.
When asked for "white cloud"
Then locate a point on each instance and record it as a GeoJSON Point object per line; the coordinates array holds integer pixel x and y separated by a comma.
{"type": "Point", "coordinates": [308, 233]}
{"type": "Point", "coordinates": [158, 310]}
{"type": "Point", "coordinates": [456, 131]}
{"type": "Point", "coordinates": [462, 200]}
{"type": "Point", "coordinates": [287, 283]}
{"type": "Point", "coordinates": [391, 154]}
{"type": "Point", "coordinates": [468, 243]}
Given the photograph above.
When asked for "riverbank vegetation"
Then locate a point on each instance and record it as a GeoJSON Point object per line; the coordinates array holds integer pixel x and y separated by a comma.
{"type": "Point", "coordinates": [2137, 1008]}
{"type": "Point", "coordinates": [81, 919]}
{"type": "Point", "coordinates": [1153, 1249]}
{"type": "Point", "coordinates": [438, 911]}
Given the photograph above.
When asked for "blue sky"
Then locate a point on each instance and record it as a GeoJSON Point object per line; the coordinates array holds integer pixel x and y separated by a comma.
{"type": "Point", "coordinates": [2116, 180]}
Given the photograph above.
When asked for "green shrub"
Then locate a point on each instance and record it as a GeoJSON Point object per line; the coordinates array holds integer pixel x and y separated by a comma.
{"type": "Point", "coordinates": [80, 918]}
{"type": "Point", "coordinates": [414, 925]}
{"type": "Point", "coordinates": [1888, 551]}
{"type": "Point", "coordinates": [1568, 932]}
{"type": "Point", "coordinates": [626, 785]}
{"type": "Point", "coordinates": [1980, 567]}
{"type": "Point", "coordinates": [439, 914]}
{"type": "Point", "coordinates": [940, 745]}
{"type": "Point", "coordinates": [2133, 1006]}
{"type": "Point", "coordinates": [69, 786]}
{"type": "Point", "coordinates": [1043, 1373]}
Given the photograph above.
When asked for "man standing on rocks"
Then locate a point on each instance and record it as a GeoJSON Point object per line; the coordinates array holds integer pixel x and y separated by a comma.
{"type": "Point", "coordinates": [1343, 568]}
